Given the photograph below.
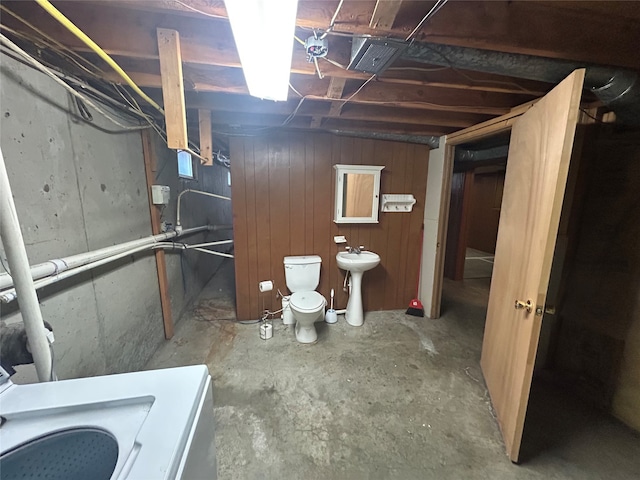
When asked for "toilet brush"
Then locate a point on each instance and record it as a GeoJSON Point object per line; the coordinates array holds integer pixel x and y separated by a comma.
{"type": "Point", "coordinates": [331, 315]}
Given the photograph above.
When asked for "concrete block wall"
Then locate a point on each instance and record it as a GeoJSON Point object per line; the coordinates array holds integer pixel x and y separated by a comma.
{"type": "Point", "coordinates": [78, 188]}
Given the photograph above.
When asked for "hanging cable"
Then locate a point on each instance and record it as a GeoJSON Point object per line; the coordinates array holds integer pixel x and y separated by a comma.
{"type": "Point", "coordinates": [315, 62]}
{"type": "Point", "coordinates": [357, 91]}
{"type": "Point", "coordinates": [61, 48]}
{"type": "Point", "coordinates": [333, 20]}
{"type": "Point", "coordinates": [12, 46]}
{"type": "Point", "coordinates": [212, 15]}
{"type": "Point", "coordinates": [438, 5]}
{"type": "Point", "coordinates": [55, 13]}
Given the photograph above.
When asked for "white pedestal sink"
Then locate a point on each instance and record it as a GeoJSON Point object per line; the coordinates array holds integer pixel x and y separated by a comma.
{"type": "Point", "coordinates": [356, 264]}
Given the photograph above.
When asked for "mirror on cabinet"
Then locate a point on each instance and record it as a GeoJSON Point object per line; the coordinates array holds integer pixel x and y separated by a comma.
{"type": "Point", "coordinates": [357, 193]}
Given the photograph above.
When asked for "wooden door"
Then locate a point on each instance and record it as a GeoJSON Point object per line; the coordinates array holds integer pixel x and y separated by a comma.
{"type": "Point", "coordinates": [539, 153]}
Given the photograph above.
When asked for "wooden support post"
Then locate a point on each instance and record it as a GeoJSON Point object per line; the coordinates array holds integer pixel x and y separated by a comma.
{"type": "Point", "coordinates": [336, 87]}
{"type": "Point", "coordinates": [150, 167]}
{"type": "Point", "coordinates": [385, 14]}
{"type": "Point", "coordinates": [316, 121]}
{"type": "Point", "coordinates": [206, 143]}
{"type": "Point", "coordinates": [175, 113]}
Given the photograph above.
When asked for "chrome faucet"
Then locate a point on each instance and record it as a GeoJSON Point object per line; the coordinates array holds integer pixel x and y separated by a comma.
{"type": "Point", "coordinates": [357, 250]}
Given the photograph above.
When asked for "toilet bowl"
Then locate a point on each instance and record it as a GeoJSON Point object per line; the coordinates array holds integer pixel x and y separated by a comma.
{"type": "Point", "coordinates": [302, 274]}
{"type": "Point", "coordinates": [307, 308]}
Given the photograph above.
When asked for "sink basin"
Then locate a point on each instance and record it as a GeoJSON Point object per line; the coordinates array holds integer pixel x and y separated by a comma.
{"type": "Point", "coordinates": [357, 262]}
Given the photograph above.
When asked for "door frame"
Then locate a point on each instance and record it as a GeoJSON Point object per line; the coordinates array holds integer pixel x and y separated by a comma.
{"type": "Point", "coordinates": [469, 134]}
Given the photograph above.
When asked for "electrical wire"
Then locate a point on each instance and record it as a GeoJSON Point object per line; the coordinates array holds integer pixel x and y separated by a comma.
{"type": "Point", "coordinates": [315, 62]}
{"type": "Point", "coordinates": [357, 91]}
{"type": "Point", "coordinates": [52, 375]}
{"type": "Point", "coordinates": [438, 5]}
{"type": "Point", "coordinates": [333, 20]}
{"type": "Point", "coordinates": [55, 13]}
{"type": "Point", "coordinates": [212, 15]}
{"type": "Point", "coordinates": [61, 48]}
{"type": "Point", "coordinates": [161, 132]}
{"type": "Point", "coordinates": [583, 111]}
{"type": "Point", "coordinates": [333, 62]}
{"type": "Point", "coordinates": [35, 63]}
{"type": "Point", "coordinates": [296, 91]}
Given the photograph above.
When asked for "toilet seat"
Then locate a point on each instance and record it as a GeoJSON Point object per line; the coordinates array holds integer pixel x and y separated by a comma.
{"type": "Point", "coordinates": [307, 301]}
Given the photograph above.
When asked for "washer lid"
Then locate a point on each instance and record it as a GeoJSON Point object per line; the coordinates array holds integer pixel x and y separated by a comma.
{"type": "Point", "coordinates": [307, 301]}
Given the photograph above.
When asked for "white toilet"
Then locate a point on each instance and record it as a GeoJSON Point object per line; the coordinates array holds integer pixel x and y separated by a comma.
{"type": "Point", "coordinates": [303, 276]}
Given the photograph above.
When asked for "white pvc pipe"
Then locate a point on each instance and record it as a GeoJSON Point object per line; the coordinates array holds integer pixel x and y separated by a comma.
{"type": "Point", "coordinates": [210, 244]}
{"type": "Point", "coordinates": [208, 194]}
{"type": "Point", "coordinates": [9, 295]}
{"type": "Point", "coordinates": [58, 265]}
{"type": "Point", "coordinates": [19, 264]}
{"type": "Point", "coordinates": [211, 252]}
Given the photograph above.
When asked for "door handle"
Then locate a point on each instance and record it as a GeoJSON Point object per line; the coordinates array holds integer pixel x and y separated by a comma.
{"type": "Point", "coordinates": [528, 306]}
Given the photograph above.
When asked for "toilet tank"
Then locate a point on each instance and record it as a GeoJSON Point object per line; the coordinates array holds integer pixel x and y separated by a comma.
{"type": "Point", "coordinates": [302, 273]}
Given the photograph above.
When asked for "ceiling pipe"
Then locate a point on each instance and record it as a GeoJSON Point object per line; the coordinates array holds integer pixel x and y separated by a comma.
{"type": "Point", "coordinates": [429, 140]}
{"type": "Point", "coordinates": [617, 88]}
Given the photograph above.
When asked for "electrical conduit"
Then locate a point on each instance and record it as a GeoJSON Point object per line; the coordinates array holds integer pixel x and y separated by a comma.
{"type": "Point", "coordinates": [208, 194]}
{"type": "Point", "coordinates": [17, 256]}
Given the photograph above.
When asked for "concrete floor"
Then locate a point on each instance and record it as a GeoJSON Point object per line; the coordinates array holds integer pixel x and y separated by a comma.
{"type": "Point", "coordinates": [399, 398]}
{"type": "Point", "coordinates": [478, 264]}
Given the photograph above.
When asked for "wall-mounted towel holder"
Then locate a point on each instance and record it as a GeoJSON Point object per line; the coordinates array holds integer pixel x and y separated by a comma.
{"type": "Point", "coordinates": [398, 203]}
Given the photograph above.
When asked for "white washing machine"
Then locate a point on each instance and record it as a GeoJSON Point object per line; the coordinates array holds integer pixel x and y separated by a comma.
{"type": "Point", "coordinates": [151, 425]}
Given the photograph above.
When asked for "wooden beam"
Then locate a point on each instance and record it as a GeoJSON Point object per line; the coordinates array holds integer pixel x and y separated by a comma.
{"type": "Point", "coordinates": [569, 34]}
{"type": "Point", "coordinates": [608, 36]}
{"type": "Point", "coordinates": [222, 105]}
{"type": "Point", "coordinates": [336, 87]}
{"type": "Point", "coordinates": [205, 78]}
{"type": "Point", "coordinates": [410, 96]}
{"type": "Point", "coordinates": [384, 14]}
{"type": "Point", "coordinates": [336, 109]}
{"type": "Point", "coordinates": [223, 111]}
{"type": "Point", "coordinates": [175, 112]}
{"type": "Point", "coordinates": [206, 143]}
{"type": "Point", "coordinates": [316, 122]}
{"type": "Point", "coordinates": [150, 167]}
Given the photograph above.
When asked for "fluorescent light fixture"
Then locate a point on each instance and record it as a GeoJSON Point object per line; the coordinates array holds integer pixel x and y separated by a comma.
{"type": "Point", "coordinates": [263, 31]}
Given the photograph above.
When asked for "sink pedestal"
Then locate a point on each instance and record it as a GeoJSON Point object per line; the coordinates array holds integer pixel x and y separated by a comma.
{"type": "Point", "coordinates": [356, 264]}
{"type": "Point", "coordinates": [355, 313]}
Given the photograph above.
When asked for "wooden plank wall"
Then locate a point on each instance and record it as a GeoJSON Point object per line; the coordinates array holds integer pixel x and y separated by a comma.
{"type": "Point", "coordinates": [283, 193]}
{"type": "Point", "coordinates": [485, 211]}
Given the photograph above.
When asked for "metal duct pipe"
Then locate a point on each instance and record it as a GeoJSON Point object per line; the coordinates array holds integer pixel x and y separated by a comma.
{"type": "Point", "coordinates": [617, 88]}
{"type": "Point", "coordinates": [429, 140]}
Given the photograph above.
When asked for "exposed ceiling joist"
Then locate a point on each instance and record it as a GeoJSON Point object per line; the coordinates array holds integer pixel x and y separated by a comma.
{"type": "Point", "coordinates": [384, 14]}
{"type": "Point", "coordinates": [571, 30]}
{"type": "Point", "coordinates": [408, 98]}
